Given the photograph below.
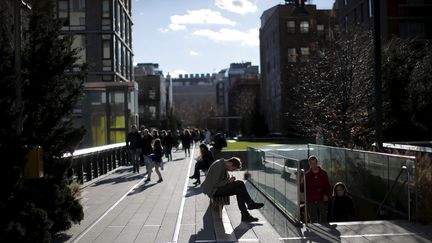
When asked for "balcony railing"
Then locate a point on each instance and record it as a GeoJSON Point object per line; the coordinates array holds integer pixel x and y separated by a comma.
{"type": "Point", "coordinates": [90, 163]}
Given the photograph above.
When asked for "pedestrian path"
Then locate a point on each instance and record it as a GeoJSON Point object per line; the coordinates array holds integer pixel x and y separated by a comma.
{"type": "Point", "coordinates": [121, 207]}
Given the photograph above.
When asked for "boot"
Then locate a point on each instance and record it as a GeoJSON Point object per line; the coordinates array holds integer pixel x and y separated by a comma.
{"type": "Point", "coordinates": [248, 218]}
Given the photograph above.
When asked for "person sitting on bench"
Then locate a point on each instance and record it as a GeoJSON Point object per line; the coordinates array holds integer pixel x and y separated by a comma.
{"type": "Point", "coordinates": [219, 183]}
{"type": "Point", "coordinates": [203, 163]}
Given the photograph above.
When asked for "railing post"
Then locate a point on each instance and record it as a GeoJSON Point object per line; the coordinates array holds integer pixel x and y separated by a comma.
{"type": "Point", "coordinates": [305, 200]}
{"type": "Point", "coordinates": [104, 162]}
{"type": "Point", "coordinates": [88, 166]}
{"type": "Point", "coordinates": [408, 191]}
{"type": "Point", "coordinates": [78, 169]}
{"type": "Point", "coordinates": [110, 159]}
{"type": "Point", "coordinates": [95, 164]}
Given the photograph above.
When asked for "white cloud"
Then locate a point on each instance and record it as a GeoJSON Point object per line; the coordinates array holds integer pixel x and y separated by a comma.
{"type": "Point", "coordinates": [201, 16]}
{"type": "Point", "coordinates": [163, 30]}
{"type": "Point", "coordinates": [237, 6]}
{"type": "Point", "coordinates": [193, 53]}
{"type": "Point", "coordinates": [249, 38]}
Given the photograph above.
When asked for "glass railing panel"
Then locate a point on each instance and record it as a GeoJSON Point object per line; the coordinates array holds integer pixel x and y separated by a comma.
{"type": "Point", "coordinates": [371, 178]}
{"type": "Point", "coordinates": [276, 176]}
{"type": "Point", "coordinates": [376, 176]}
{"type": "Point", "coordinates": [356, 171]}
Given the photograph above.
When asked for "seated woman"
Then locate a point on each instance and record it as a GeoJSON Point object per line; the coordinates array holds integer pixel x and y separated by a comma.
{"type": "Point", "coordinates": [203, 163]}
{"type": "Point", "coordinates": [340, 206]}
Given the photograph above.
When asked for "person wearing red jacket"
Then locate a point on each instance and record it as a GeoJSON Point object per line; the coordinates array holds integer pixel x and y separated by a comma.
{"type": "Point", "coordinates": [318, 191]}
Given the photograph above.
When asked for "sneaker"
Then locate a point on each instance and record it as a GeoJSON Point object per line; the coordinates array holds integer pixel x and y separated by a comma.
{"type": "Point", "coordinates": [160, 180]}
{"type": "Point", "coordinates": [192, 177]}
{"type": "Point", "coordinates": [248, 218]}
{"type": "Point", "coordinates": [147, 180]}
{"type": "Point", "coordinates": [197, 182]}
{"type": "Point", "coordinates": [254, 205]}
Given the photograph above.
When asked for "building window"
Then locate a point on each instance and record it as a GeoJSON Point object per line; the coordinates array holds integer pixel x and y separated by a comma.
{"type": "Point", "coordinates": [152, 94]}
{"type": "Point", "coordinates": [77, 14]}
{"type": "Point", "coordinates": [320, 29]}
{"type": "Point", "coordinates": [106, 15]}
{"type": "Point", "coordinates": [63, 11]}
{"type": "Point", "coordinates": [79, 42]}
{"type": "Point", "coordinates": [152, 112]}
{"type": "Point", "coordinates": [304, 51]}
{"type": "Point", "coordinates": [313, 46]}
{"type": "Point", "coordinates": [107, 78]}
{"type": "Point", "coordinates": [292, 55]}
{"type": "Point", "coordinates": [106, 53]}
{"type": "Point", "coordinates": [304, 27]}
{"type": "Point", "coordinates": [412, 30]}
{"type": "Point", "coordinates": [290, 26]}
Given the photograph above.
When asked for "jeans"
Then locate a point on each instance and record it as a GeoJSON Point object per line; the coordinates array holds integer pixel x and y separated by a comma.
{"type": "Point", "coordinates": [238, 189]}
{"type": "Point", "coordinates": [135, 153]}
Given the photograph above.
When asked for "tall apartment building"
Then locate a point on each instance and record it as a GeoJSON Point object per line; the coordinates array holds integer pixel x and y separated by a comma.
{"type": "Point", "coordinates": [155, 94]}
{"type": "Point", "coordinates": [290, 33]}
{"type": "Point", "coordinates": [102, 29]}
{"type": "Point", "coordinates": [404, 18]}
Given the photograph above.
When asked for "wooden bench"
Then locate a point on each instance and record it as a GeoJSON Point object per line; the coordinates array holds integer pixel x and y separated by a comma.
{"type": "Point", "coordinates": [218, 202]}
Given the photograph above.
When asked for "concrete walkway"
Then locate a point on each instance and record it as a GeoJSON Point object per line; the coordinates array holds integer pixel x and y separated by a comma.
{"type": "Point", "coordinates": [120, 207]}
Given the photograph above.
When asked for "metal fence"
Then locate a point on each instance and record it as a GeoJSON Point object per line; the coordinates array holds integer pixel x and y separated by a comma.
{"type": "Point", "coordinates": [90, 163]}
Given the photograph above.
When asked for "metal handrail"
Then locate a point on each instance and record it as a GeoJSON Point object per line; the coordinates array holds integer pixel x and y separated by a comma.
{"type": "Point", "coordinates": [403, 168]}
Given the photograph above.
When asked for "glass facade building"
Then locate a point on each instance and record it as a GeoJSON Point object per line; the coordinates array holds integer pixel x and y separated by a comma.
{"type": "Point", "coordinates": [102, 31]}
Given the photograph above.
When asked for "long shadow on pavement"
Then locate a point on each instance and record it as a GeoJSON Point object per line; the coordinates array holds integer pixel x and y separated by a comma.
{"type": "Point", "coordinates": [141, 188]}
{"type": "Point", "coordinates": [207, 232]}
{"type": "Point", "coordinates": [194, 190]}
{"type": "Point", "coordinates": [120, 179]}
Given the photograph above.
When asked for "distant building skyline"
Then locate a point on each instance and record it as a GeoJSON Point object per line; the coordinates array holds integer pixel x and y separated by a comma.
{"type": "Point", "coordinates": [199, 36]}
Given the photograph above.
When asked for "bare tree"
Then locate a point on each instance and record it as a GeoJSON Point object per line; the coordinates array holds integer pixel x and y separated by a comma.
{"type": "Point", "coordinates": [334, 91]}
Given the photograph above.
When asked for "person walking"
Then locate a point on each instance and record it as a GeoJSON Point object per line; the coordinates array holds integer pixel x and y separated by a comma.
{"type": "Point", "coordinates": [156, 160]}
{"type": "Point", "coordinates": [340, 206]}
{"type": "Point", "coordinates": [168, 143]}
{"type": "Point", "coordinates": [133, 145]}
{"type": "Point", "coordinates": [219, 183]}
{"type": "Point", "coordinates": [207, 136]}
{"type": "Point", "coordinates": [204, 160]}
{"type": "Point", "coordinates": [317, 191]}
{"type": "Point", "coordinates": [186, 140]}
{"type": "Point", "coordinates": [146, 147]}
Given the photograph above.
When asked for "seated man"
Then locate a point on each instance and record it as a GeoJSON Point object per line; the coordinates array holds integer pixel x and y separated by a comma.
{"type": "Point", "coordinates": [218, 182]}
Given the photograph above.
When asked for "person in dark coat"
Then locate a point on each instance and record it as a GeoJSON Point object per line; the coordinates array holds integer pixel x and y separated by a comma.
{"type": "Point", "coordinates": [219, 142]}
{"type": "Point", "coordinates": [218, 182]}
{"type": "Point", "coordinates": [146, 147]}
{"type": "Point", "coordinates": [203, 163]}
{"type": "Point", "coordinates": [168, 143]}
{"type": "Point", "coordinates": [186, 140]}
{"type": "Point", "coordinates": [133, 145]}
{"type": "Point", "coordinates": [340, 207]}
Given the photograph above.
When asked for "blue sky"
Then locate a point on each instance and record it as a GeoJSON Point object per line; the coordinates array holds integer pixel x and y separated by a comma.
{"type": "Point", "coordinates": [199, 36]}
